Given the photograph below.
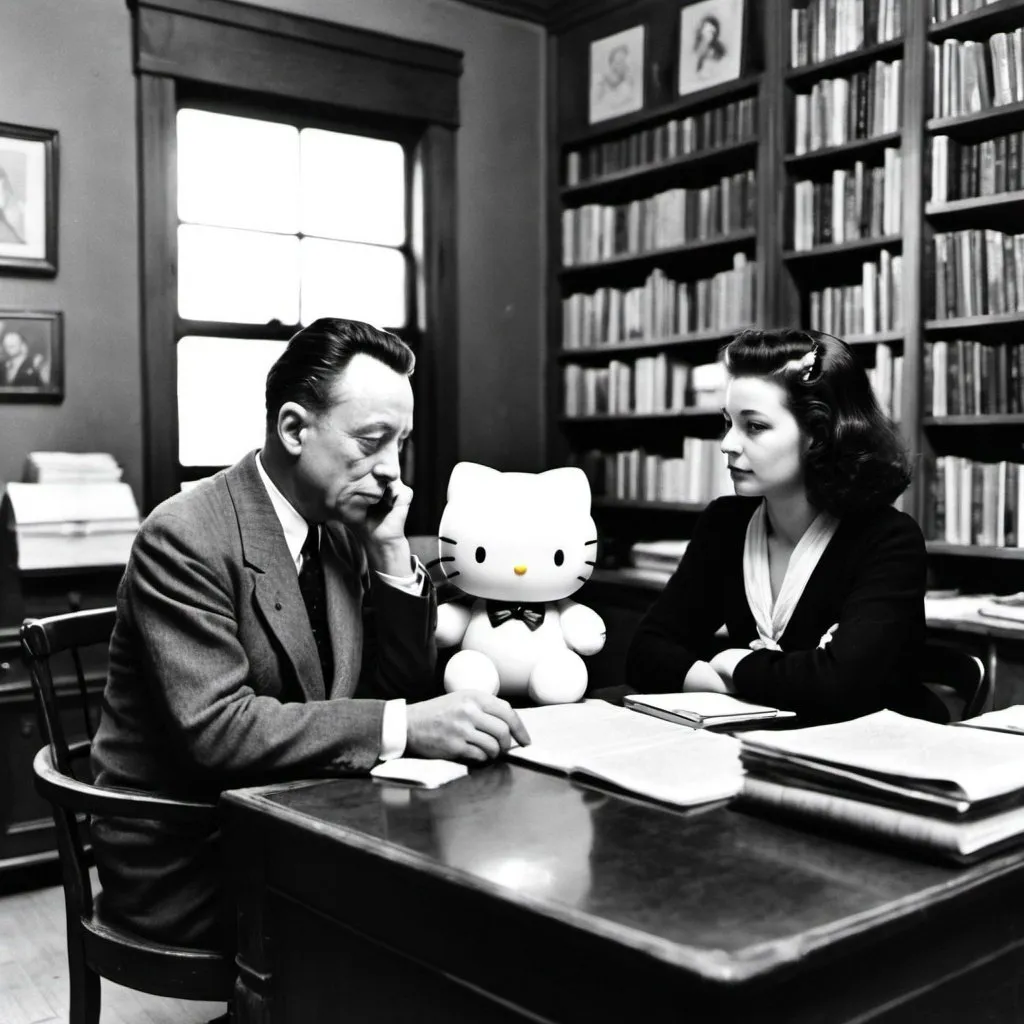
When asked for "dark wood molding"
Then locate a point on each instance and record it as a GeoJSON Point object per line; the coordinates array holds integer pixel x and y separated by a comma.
{"type": "Point", "coordinates": [158, 239]}
{"type": "Point", "coordinates": [231, 45]}
{"type": "Point", "coordinates": [566, 14]}
{"type": "Point", "coordinates": [537, 11]}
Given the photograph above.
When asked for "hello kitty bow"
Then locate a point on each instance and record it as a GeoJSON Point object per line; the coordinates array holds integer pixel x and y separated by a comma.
{"type": "Point", "coordinates": [499, 612]}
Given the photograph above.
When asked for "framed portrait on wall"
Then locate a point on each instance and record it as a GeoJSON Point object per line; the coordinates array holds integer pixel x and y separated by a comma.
{"type": "Point", "coordinates": [31, 356]}
{"type": "Point", "coordinates": [28, 200]}
{"type": "Point", "coordinates": [617, 74]}
{"type": "Point", "coordinates": [711, 42]}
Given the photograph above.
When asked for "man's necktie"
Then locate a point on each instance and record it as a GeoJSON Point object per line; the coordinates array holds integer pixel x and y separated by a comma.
{"type": "Point", "coordinates": [314, 594]}
{"type": "Point", "coordinates": [500, 612]}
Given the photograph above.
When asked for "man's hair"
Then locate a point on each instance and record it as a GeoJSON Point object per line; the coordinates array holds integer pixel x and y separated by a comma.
{"type": "Point", "coordinates": [318, 354]}
{"type": "Point", "coordinates": [855, 460]}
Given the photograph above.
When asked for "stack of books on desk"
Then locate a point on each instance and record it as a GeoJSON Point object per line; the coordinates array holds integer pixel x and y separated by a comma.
{"type": "Point", "coordinates": [949, 793]}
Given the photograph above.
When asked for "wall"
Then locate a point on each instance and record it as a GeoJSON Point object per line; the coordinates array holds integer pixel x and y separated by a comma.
{"type": "Point", "coordinates": [66, 64]}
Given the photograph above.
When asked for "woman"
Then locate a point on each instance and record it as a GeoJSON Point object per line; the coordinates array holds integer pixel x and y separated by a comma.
{"type": "Point", "coordinates": [819, 581]}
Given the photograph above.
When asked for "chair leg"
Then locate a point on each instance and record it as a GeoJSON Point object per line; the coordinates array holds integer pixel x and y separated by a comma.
{"type": "Point", "coordinates": [85, 988]}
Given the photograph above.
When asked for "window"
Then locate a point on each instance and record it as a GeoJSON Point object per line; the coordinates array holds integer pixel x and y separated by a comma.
{"type": "Point", "coordinates": [278, 224]}
{"type": "Point", "coordinates": [290, 168]}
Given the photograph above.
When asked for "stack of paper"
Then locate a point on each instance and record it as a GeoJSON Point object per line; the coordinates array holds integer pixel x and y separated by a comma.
{"type": "Point", "coordinates": [642, 755]}
{"type": "Point", "coordinates": [71, 525]}
{"type": "Point", "coordinates": [955, 793]}
{"type": "Point", "coordinates": [71, 467]}
{"type": "Point", "coordinates": [660, 555]}
{"type": "Point", "coordinates": [1004, 720]}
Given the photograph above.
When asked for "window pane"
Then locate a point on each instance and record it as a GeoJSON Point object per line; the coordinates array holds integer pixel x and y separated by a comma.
{"type": "Point", "coordinates": [221, 398]}
{"type": "Point", "coordinates": [358, 282]}
{"type": "Point", "coordinates": [238, 276]}
{"type": "Point", "coordinates": [237, 172]}
{"type": "Point", "coordinates": [353, 188]}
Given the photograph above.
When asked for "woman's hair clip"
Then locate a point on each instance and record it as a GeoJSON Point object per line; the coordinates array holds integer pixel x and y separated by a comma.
{"type": "Point", "coordinates": [811, 363]}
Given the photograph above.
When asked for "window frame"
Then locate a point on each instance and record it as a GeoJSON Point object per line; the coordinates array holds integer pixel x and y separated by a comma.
{"type": "Point", "coordinates": [232, 56]}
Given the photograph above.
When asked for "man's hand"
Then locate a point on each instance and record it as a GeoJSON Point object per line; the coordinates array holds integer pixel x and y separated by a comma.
{"type": "Point", "coordinates": [465, 726]}
{"type": "Point", "coordinates": [384, 531]}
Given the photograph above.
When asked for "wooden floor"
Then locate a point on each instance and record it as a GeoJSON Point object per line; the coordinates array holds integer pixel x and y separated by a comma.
{"type": "Point", "coordinates": [34, 972]}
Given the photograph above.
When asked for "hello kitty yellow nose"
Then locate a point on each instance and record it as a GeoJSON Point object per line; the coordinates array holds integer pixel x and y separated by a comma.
{"type": "Point", "coordinates": [519, 570]}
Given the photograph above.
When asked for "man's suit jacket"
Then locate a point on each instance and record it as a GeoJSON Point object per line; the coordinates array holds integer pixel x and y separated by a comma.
{"type": "Point", "coordinates": [215, 682]}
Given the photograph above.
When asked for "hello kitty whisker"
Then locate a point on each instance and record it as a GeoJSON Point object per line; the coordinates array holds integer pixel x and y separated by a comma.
{"type": "Point", "coordinates": [586, 542]}
{"type": "Point", "coordinates": [584, 578]}
{"type": "Point", "coordinates": [438, 561]}
{"type": "Point", "coordinates": [589, 563]}
{"type": "Point", "coordinates": [447, 540]}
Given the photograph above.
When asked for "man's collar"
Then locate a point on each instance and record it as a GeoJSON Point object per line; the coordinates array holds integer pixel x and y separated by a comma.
{"type": "Point", "coordinates": [294, 526]}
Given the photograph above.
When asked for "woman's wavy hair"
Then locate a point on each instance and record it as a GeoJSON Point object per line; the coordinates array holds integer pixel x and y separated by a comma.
{"type": "Point", "coordinates": [855, 460]}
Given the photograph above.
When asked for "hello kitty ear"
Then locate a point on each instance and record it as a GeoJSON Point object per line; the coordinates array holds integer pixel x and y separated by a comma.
{"type": "Point", "coordinates": [572, 487]}
{"type": "Point", "coordinates": [468, 479]}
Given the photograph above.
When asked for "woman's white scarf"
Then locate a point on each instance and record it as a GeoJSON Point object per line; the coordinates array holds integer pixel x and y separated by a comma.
{"type": "Point", "coordinates": [772, 618]}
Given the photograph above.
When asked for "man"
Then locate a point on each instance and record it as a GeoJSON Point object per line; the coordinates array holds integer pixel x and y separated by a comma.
{"type": "Point", "coordinates": [19, 370]}
{"type": "Point", "coordinates": [272, 623]}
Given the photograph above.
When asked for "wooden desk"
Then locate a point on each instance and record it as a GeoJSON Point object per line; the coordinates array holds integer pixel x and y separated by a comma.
{"type": "Point", "coordinates": [514, 895]}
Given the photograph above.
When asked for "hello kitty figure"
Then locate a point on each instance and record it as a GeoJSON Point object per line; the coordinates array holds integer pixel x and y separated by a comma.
{"type": "Point", "coordinates": [520, 543]}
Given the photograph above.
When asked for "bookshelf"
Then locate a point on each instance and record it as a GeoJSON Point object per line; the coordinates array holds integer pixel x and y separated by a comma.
{"type": "Point", "coordinates": [887, 181]}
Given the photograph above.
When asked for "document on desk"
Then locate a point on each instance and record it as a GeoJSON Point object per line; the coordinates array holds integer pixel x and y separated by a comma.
{"type": "Point", "coordinates": [1009, 719]}
{"type": "Point", "coordinates": [643, 755]}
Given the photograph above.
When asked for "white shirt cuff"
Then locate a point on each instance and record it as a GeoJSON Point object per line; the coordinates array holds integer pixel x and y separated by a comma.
{"type": "Point", "coordinates": [411, 584]}
{"type": "Point", "coordinates": [393, 730]}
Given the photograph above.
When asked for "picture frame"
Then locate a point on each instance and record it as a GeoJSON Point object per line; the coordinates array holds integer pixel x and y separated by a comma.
{"type": "Point", "coordinates": [712, 43]}
{"type": "Point", "coordinates": [28, 200]}
{"type": "Point", "coordinates": [617, 74]}
{"type": "Point", "coordinates": [31, 356]}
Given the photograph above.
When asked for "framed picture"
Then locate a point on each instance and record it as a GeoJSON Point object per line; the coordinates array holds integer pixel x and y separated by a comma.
{"type": "Point", "coordinates": [617, 74]}
{"type": "Point", "coordinates": [711, 41]}
{"type": "Point", "coordinates": [28, 200]}
{"type": "Point", "coordinates": [31, 356]}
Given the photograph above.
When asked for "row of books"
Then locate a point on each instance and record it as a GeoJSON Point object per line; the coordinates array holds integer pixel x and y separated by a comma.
{"type": "Point", "coordinates": [858, 202]}
{"type": "Point", "coordinates": [650, 384]}
{"type": "Point", "coordinates": [872, 306]}
{"type": "Point", "coordinates": [968, 378]}
{"type": "Point", "coordinates": [823, 29]}
{"type": "Point", "coordinates": [943, 10]}
{"type": "Point", "coordinates": [724, 125]}
{"type": "Point", "coordinates": [886, 378]}
{"type": "Point", "coordinates": [964, 171]}
{"type": "Point", "coordinates": [968, 75]}
{"type": "Point", "coordinates": [978, 270]}
{"type": "Point", "coordinates": [840, 110]}
{"type": "Point", "coordinates": [662, 555]}
{"type": "Point", "coordinates": [661, 308]}
{"type": "Point", "coordinates": [700, 474]}
{"type": "Point", "coordinates": [980, 503]}
{"type": "Point", "coordinates": [596, 232]}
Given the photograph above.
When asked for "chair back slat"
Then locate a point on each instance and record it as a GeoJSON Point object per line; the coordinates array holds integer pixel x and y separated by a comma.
{"type": "Point", "coordinates": [962, 673]}
{"type": "Point", "coordinates": [41, 639]}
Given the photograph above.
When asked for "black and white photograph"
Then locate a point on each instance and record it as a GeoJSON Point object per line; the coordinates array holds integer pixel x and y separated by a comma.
{"type": "Point", "coordinates": [28, 200]}
{"type": "Point", "coordinates": [711, 41]}
{"type": "Point", "coordinates": [512, 512]}
{"type": "Point", "coordinates": [31, 356]}
{"type": "Point", "coordinates": [617, 74]}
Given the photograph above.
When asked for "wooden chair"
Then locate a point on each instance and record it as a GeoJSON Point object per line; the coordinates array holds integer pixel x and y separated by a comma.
{"type": "Point", "coordinates": [955, 681]}
{"type": "Point", "coordinates": [96, 948]}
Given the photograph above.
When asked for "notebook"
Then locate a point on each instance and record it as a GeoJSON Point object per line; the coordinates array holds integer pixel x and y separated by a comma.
{"type": "Point", "coordinates": [701, 710]}
{"type": "Point", "coordinates": [644, 756]}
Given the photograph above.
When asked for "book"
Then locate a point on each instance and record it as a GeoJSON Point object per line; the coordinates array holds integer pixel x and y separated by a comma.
{"type": "Point", "coordinates": [701, 710]}
{"type": "Point", "coordinates": [1007, 606]}
{"type": "Point", "coordinates": [639, 754]}
{"type": "Point", "coordinates": [1004, 720]}
{"type": "Point", "coordinates": [961, 842]}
